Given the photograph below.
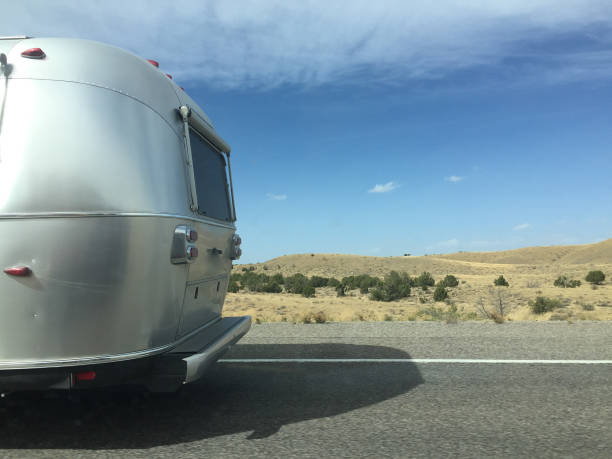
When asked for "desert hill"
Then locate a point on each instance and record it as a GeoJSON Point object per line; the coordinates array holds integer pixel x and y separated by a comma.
{"type": "Point", "coordinates": [339, 265]}
{"type": "Point", "coordinates": [598, 253]}
{"type": "Point", "coordinates": [548, 261]}
{"type": "Point", "coordinates": [530, 271]}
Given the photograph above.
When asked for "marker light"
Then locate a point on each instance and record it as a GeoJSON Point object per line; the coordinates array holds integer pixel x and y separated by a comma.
{"type": "Point", "coordinates": [236, 250]}
{"type": "Point", "coordinates": [34, 53]}
{"type": "Point", "coordinates": [152, 62]}
{"type": "Point", "coordinates": [192, 235]}
{"type": "Point", "coordinates": [21, 271]}
{"type": "Point", "coordinates": [86, 376]}
{"type": "Point", "coordinates": [168, 75]}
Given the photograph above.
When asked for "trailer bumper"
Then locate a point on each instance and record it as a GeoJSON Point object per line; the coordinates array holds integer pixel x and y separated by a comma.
{"type": "Point", "coordinates": [230, 333]}
{"type": "Point", "coordinates": [189, 361]}
{"type": "Point", "coordinates": [161, 373]}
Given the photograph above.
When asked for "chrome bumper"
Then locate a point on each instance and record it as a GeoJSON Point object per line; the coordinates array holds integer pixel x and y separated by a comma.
{"type": "Point", "coordinates": [166, 372]}
{"type": "Point", "coordinates": [197, 363]}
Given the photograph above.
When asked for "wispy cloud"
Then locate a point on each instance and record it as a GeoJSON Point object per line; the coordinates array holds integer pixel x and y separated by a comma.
{"type": "Point", "coordinates": [484, 244]}
{"type": "Point", "coordinates": [276, 197]}
{"type": "Point", "coordinates": [454, 178]}
{"type": "Point", "coordinates": [273, 43]}
{"type": "Point", "coordinates": [444, 245]}
{"type": "Point", "coordinates": [521, 227]}
{"type": "Point", "coordinates": [389, 186]}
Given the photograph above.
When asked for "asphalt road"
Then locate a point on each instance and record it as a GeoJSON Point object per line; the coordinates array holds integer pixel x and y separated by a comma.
{"type": "Point", "coordinates": [247, 407]}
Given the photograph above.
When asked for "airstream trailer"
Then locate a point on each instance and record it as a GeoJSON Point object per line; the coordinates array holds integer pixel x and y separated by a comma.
{"type": "Point", "coordinates": [117, 222]}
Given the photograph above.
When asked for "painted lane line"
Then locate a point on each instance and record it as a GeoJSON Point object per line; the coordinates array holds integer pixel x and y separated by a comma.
{"type": "Point", "coordinates": [485, 361]}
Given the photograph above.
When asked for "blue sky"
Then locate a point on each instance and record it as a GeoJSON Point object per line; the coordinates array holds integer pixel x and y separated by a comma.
{"type": "Point", "coordinates": [389, 127]}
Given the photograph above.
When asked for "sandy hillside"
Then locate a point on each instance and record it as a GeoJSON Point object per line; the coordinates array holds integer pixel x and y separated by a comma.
{"type": "Point", "coordinates": [598, 253]}
{"type": "Point", "coordinates": [530, 271]}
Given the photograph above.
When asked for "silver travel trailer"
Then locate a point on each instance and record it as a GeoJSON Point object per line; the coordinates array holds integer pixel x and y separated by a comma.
{"type": "Point", "coordinates": [117, 222]}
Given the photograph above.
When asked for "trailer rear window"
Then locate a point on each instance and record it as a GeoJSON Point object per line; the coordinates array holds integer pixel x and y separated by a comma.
{"type": "Point", "coordinates": [210, 174]}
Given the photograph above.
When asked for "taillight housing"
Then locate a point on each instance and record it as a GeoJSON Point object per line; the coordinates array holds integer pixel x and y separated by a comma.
{"type": "Point", "coordinates": [184, 249]}
{"type": "Point", "coordinates": [236, 250]}
{"type": "Point", "coordinates": [192, 252]}
{"type": "Point", "coordinates": [191, 235]}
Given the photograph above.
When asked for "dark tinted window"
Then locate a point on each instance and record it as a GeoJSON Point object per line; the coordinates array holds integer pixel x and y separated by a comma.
{"type": "Point", "coordinates": [211, 179]}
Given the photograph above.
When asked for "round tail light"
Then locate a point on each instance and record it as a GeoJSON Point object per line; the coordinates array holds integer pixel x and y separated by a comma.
{"type": "Point", "coordinates": [192, 235]}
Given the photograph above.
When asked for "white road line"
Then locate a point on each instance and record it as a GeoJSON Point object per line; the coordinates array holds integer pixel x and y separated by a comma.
{"type": "Point", "coordinates": [481, 361]}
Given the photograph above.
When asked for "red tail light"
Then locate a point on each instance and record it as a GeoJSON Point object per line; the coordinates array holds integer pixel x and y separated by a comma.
{"type": "Point", "coordinates": [192, 235]}
{"type": "Point", "coordinates": [192, 252]}
{"type": "Point", "coordinates": [21, 271]}
{"type": "Point", "coordinates": [152, 62]}
{"type": "Point", "coordinates": [34, 53]}
{"type": "Point", "coordinates": [86, 376]}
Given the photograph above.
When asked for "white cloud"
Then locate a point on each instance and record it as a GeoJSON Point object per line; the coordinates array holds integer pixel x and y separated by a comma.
{"type": "Point", "coordinates": [454, 179]}
{"type": "Point", "coordinates": [448, 244]}
{"type": "Point", "coordinates": [267, 44]}
{"type": "Point", "coordinates": [389, 186]}
{"type": "Point", "coordinates": [522, 226]}
{"type": "Point", "coordinates": [444, 245]}
{"type": "Point", "coordinates": [484, 244]}
{"type": "Point", "coordinates": [276, 197]}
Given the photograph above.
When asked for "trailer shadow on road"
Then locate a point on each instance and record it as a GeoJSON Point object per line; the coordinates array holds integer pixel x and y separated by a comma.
{"type": "Point", "coordinates": [255, 398]}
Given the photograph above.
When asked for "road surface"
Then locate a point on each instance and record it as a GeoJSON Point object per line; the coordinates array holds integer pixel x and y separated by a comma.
{"type": "Point", "coordinates": [391, 390]}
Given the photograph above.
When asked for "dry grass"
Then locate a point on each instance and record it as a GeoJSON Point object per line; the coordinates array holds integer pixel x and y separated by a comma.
{"type": "Point", "coordinates": [600, 253]}
{"type": "Point", "coordinates": [530, 272]}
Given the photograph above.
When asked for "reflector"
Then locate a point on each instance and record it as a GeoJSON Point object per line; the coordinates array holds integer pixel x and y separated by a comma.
{"type": "Point", "coordinates": [86, 376]}
{"type": "Point", "coordinates": [21, 271]}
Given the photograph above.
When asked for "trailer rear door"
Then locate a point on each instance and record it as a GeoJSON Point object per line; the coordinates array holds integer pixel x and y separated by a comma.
{"type": "Point", "coordinates": [211, 194]}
